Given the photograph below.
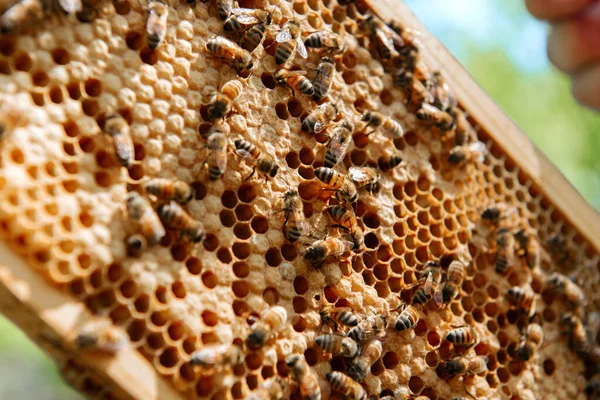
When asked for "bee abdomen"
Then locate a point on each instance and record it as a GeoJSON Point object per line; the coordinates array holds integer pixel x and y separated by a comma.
{"type": "Point", "coordinates": [325, 175]}
{"type": "Point", "coordinates": [421, 297]}
{"type": "Point", "coordinates": [313, 41]}
{"type": "Point", "coordinates": [386, 164]}
{"type": "Point", "coordinates": [501, 263]}
{"type": "Point", "coordinates": [347, 318]}
{"type": "Point", "coordinates": [308, 125]}
{"type": "Point", "coordinates": [403, 323]}
{"type": "Point", "coordinates": [330, 159]}
{"type": "Point", "coordinates": [256, 339]}
{"type": "Point", "coordinates": [232, 25]}
{"type": "Point", "coordinates": [283, 53]}
{"type": "Point", "coordinates": [154, 40]}
{"type": "Point", "coordinates": [214, 173]}
{"type": "Point", "coordinates": [305, 86]}
{"type": "Point", "coordinates": [268, 167]}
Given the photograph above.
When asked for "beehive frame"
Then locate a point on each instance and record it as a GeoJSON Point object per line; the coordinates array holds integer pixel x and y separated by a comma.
{"type": "Point", "coordinates": [48, 316]}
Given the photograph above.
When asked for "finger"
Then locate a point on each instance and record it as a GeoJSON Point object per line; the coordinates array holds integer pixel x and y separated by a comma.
{"type": "Point", "coordinates": [586, 87]}
{"type": "Point", "coordinates": [555, 9]}
{"type": "Point", "coordinates": [575, 43]}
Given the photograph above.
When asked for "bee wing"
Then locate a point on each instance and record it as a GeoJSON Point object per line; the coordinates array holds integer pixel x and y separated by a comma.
{"type": "Point", "coordinates": [244, 16]}
{"type": "Point", "coordinates": [301, 48]}
{"type": "Point", "coordinates": [347, 246]}
{"type": "Point", "coordinates": [284, 36]}
{"type": "Point", "coordinates": [221, 159]}
{"type": "Point", "coordinates": [358, 176]}
{"type": "Point", "coordinates": [244, 154]}
{"type": "Point", "coordinates": [428, 286]}
{"type": "Point", "coordinates": [438, 297]}
{"type": "Point", "coordinates": [479, 148]}
{"type": "Point", "coordinates": [385, 39]}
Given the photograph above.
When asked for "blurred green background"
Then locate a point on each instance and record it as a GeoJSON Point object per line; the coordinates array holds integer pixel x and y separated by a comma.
{"type": "Point", "coordinates": [504, 49]}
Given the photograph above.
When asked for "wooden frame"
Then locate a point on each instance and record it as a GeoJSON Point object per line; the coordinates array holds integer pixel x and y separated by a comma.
{"type": "Point", "coordinates": [42, 311]}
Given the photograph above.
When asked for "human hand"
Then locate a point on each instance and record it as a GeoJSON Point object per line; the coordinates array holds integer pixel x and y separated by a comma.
{"type": "Point", "coordinates": [574, 43]}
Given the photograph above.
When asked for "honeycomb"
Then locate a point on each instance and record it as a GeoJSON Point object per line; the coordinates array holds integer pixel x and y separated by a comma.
{"type": "Point", "coordinates": [62, 208]}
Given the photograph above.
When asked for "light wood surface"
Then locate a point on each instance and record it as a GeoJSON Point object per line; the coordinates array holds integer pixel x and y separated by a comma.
{"type": "Point", "coordinates": [513, 141]}
{"type": "Point", "coordinates": [48, 317]}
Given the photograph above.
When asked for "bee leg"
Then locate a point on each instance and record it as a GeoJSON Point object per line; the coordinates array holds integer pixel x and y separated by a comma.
{"type": "Point", "coordinates": [251, 174]}
{"type": "Point", "coordinates": [340, 227]}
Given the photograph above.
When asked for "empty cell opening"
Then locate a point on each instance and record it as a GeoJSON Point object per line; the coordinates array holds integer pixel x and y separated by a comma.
{"type": "Point", "coordinates": [306, 156]}
{"type": "Point", "coordinates": [148, 56]}
{"type": "Point", "coordinates": [22, 62]}
{"type": "Point", "coordinates": [240, 288]}
{"type": "Point", "coordinates": [268, 80]}
{"type": "Point", "coordinates": [299, 304]}
{"type": "Point", "coordinates": [224, 255]}
{"type": "Point", "coordinates": [90, 107]}
{"type": "Point", "coordinates": [209, 318]}
{"type": "Point", "coordinates": [244, 212]}
{"type": "Point", "coordinates": [295, 108]}
{"type": "Point", "coordinates": [74, 90]}
{"type": "Point", "coordinates": [40, 78]}
{"type": "Point", "coordinates": [209, 279]}
{"type": "Point", "coordinates": [282, 111]}
{"type": "Point", "coordinates": [260, 224]}
{"type": "Point", "coordinates": [415, 384]}
{"type": "Point", "coordinates": [271, 296]}
{"type": "Point", "coordinates": [241, 250]}
{"type": "Point", "coordinates": [301, 285]}
{"type": "Point", "coordinates": [247, 193]}
{"type": "Point", "coordinates": [193, 265]}
{"type": "Point", "coordinates": [211, 242]}
{"type": "Point", "coordinates": [241, 269]}
{"type": "Point", "coordinates": [273, 257]}
{"type": "Point", "coordinates": [37, 98]}
{"type": "Point", "coordinates": [292, 160]}
{"type": "Point", "coordinates": [227, 218]}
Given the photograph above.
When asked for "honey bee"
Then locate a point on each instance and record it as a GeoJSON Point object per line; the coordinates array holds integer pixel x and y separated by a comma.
{"type": "Point", "coordinates": [337, 345]}
{"type": "Point", "coordinates": [141, 211]}
{"type": "Point", "coordinates": [292, 205]}
{"type": "Point", "coordinates": [563, 285]}
{"type": "Point", "coordinates": [272, 320]}
{"type": "Point", "coordinates": [344, 189]}
{"type": "Point", "coordinates": [224, 8]}
{"type": "Point", "coordinates": [295, 80]}
{"type": "Point", "coordinates": [116, 127]}
{"type": "Point", "coordinates": [436, 117]}
{"type": "Point", "coordinates": [327, 40]}
{"type": "Point", "coordinates": [217, 356]}
{"type": "Point", "coordinates": [346, 220]}
{"type": "Point", "coordinates": [294, 228]}
{"type": "Point", "coordinates": [462, 366]}
{"type": "Point", "coordinates": [408, 318]}
{"type": "Point", "coordinates": [338, 316]}
{"type": "Point", "coordinates": [473, 152]}
{"type": "Point", "coordinates": [368, 327]}
{"type": "Point", "coordinates": [221, 101]}
{"type": "Point", "coordinates": [337, 146]}
{"type": "Point", "coordinates": [321, 250]}
{"type": "Point", "coordinates": [305, 376]}
{"type": "Point", "coordinates": [443, 98]}
{"type": "Point", "coordinates": [432, 276]}
{"type": "Point", "coordinates": [101, 335]}
{"type": "Point", "coordinates": [399, 393]}
{"type": "Point", "coordinates": [530, 342]}
{"type": "Point", "coordinates": [251, 154]}
{"type": "Point", "coordinates": [559, 249]}
{"type": "Point", "coordinates": [271, 389]}
{"type": "Point", "coordinates": [574, 328]}
{"type": "Point", "coordinates": [253, 37]}
{"type": "Point", "coordinates": [456, 275]}
{"type": "Point", "coordinates": [463, 336]}
{"type": "Point", "coordinates": [389, 126]}
{"type": "Point", "coordinates": [497, 213]}
{"type": "Point", "coordinates": [382, 35]}
{"type": "Point", "coordinates": [170, 189]}
{"type": "Point", "coordinates": [323, 79]}
{"type": "Point", "coordinates": [417, 93]}
{"type": "Point", "coordinates": [319, 118]}
{"type": "Point", "coordinates": [364, 177]}
{"type": "Point", "coordinates": [156, 23]}
{"type": "Point", "coordinates": [245, 18]}
{"type": "Point", "coordinates": [505, 249]}
{"type": "Point", "coordinates": [136, 244]}
{"type": "Point", "coordinates": [290, 42]}
{"type": "Point", "coordinates": [346, 385]}
{"type": "Point", "coordinates": [217, 156]}
{"type": "Point", "coordinates": [530, 248]}
{"type": "Point", "coordinates": [463, 129]}
{"type": "Point", "coordinates": [175, 217]}
{"type": "Point", "coordinates": [241, 60]}
{"type": "Point", "coordinates": [361, 365]}
{"type": "Point", "coordinates": [523, 298]}
{"type": "Point", "coordinates": [387, 163]}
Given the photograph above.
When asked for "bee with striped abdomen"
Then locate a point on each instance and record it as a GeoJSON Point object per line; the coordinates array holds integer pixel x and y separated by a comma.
{"type": "Point", "coordinates": [290, 42]}
{"type": "Point", "coordinates": [387, 163]}
{"type": "Point", "coordinates": [408, 318]}
{"type": "Point", "coordinates": [523, 298]}
{"type": "Point", "coordinates": [221, 101]}
{"type": "Point", "coordinates": [389, 126]}
{"type": "Point", "coordinates": [529, 248]}
{"type": "Point", "coordinates": [346, 385]}
{"type": "Point", "coordinates": [116, 127]}
{"type": "Point", "coordinates": [173, 216]}
{"type": "Point", "coordinates": [455, 276]}
{"type": "Point", "coordinates": [344, 189]}
{"type": "Point", "coordinates": [565, 286]}
{"type": "Point", "coordinates": [530, 342]}
{"type": "Point", "coordinates": [433, 115]}
{"type": "Point", "coordinates": [429, 285]}
{"type": "Point", "coordinates": [224, 8]}
{"type": "Point", "coordinates": [253, 37]}
{"type": "Point", "coordinates": [272, 320]}
{"type": "Point", "coordinates": [295, 80]}
{"type": "Point", "coordinates": [217, 155]}
{"type": "Point", "coordinates": [147, 220]}
{"type": "Point", "coordinates": [338, 144]}
{"type": "Point", "coordinates": [417, 93]}
{"type": "Point", "coordinates": [463, 366]}
{"type": "Point", "coordinates": [305, 376]}
{"type": "Point", "coordinates": [170, 189]}
{"type": "Point", "coordinates": [463, 336]}
{"type": "Point", "coordinates": [321, 250]}
{"type": "Point", "coordinates": [101, 335]}
{"type": "Point", "coordinates": [337, 345]}
{"type": "Point", "coordinates": [338, 316]}
{"type": "Point", "coordinates": [346, 220]}
{"type": "Point", "coordinates": [292, 205]}
{"type": "Point", "coordinates": [251, 154]}
{"type": "Point", "coordinates": [368, 328]}
{"type": "Point", "coordinates": [319, 118]}
{"type": "Point", "coordinates": [245, 18]}
{"type": "Point", "coordinates": [323, 79]}
{"type": "Point", "coordinates": [505, 250]}
{"type": "Point", "coordinates": [156, 23]}
{"type": "Point", "coordinates": [223, 48]}
{"type": "Point", "coordinates": [361, 365]}
{"type": "Point", "coordinates": [217, 356]}
{"type": "Point", "coordinates": [325, 40]}
{"type": "Point", "coordinates": [472, 152]}
{"type": "Point", "coordinates": [364, 177]}
{"type": "Point", "coordinates": [576, 332]}
{"type": "Point", "coordinates": [382, 36]}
